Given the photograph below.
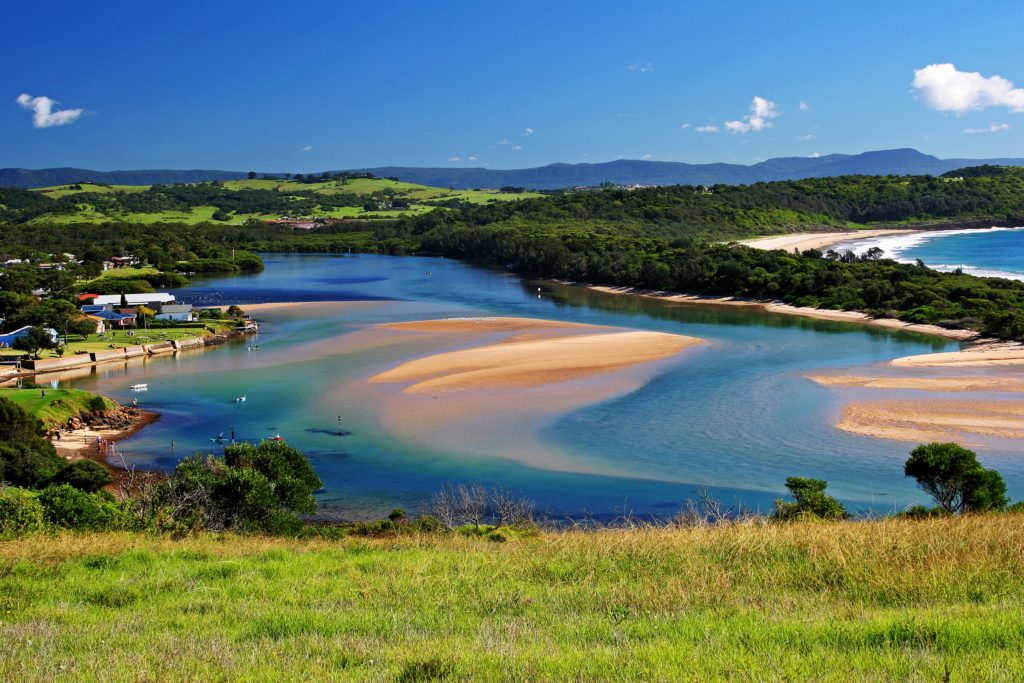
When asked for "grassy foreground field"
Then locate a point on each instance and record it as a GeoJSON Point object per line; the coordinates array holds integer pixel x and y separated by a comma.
{"type": "Point", "coordinates": [886, 600]}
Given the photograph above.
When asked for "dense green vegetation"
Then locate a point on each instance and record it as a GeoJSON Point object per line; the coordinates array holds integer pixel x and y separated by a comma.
{"type": "Point", "coordinates": [663, 238]}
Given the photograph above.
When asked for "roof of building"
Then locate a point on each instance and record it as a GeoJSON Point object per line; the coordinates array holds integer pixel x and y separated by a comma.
{"type": "Point", "coordinates": [135, 299]}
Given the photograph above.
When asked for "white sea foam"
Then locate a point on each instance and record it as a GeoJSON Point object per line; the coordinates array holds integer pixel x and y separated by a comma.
{"type": "Point", "coordinates": [893, 246]}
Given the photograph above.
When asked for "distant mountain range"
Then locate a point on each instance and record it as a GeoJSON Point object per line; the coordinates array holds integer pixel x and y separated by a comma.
{"type": "Point", "coordinates": [555, 176]}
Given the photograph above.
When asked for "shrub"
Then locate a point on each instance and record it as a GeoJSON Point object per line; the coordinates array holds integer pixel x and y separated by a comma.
{"type": "Point", "coordinates": [952, 475]}
{"type": "Point", "coordinates": [84, 475]}
{"type": "Point", "coordinates": [70, 508]}
{"type": "Point", "coordinates": [811, 501]}
{"type": "Point", "coordinates": [253, 488]}
{"type": "Point", "coordinates": [20, 511]}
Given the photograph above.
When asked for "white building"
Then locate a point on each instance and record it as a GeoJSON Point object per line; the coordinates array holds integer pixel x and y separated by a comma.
{"type": "Point", "coordinates": [152, 299]}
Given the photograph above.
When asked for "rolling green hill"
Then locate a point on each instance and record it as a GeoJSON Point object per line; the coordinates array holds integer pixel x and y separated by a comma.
{"type": "Point", "coordinates": [234, 201]}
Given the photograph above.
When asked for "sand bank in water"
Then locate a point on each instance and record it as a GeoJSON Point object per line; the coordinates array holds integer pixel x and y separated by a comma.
{"type": "Point", "coordinates": [528, 362]}
{"type": "Point", "coordinates": [934, 420]}
{"type": "Point", "coordinates": [989, 355]}
{"type": "Point", "coordinates": [490, 386]}
{"type": "Point", "coordinates": [976, 383]}
{"type": "Point", "coordinates": [817, 240]}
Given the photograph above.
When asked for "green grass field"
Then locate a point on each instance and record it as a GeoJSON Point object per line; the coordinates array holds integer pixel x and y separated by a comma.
{"type": "Point", "coordinates": [58, 191]}
{"type": "Point", "coordinates": [57, 406]}
{"type": "Point", "coordinates": [86, 213]}
{"type": "Point", "coordinates": [892, 600]}
{"type": "Point", "coordinates": [120, 338]}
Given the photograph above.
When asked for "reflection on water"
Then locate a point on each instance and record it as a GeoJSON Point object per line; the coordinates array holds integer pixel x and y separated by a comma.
{"type": "Point", "coordinates": [736, 415]}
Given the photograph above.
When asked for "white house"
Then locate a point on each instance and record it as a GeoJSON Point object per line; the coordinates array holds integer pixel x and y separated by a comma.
{"type": "Point", "coordinates": [176, 312]}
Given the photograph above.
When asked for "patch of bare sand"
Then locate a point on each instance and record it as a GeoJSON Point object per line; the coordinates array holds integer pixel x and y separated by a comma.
{"type": "Point", "coordinates": [816, 240]}
{"type": "Point", "coordinates": [977, 383]}
{"type": "Point", "coordinates": [535, 362]}
{"type": "Point", "coordinates": [934, 420]}
{"type": "Point", "coordinates": [990, 355]}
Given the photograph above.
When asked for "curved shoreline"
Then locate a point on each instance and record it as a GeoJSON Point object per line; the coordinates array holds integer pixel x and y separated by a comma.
{"type": "Point", "coordinates": [786, 309]}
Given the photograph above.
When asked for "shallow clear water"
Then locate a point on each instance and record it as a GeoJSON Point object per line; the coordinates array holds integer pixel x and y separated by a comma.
{"type": "Point", "coordinates": [997, 252]}
{"type": "Point", "coordinates": [735, 415]}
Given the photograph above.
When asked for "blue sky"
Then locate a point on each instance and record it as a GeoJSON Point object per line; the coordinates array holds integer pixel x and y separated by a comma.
{"type": "Point", "coordinates": [307, 86]}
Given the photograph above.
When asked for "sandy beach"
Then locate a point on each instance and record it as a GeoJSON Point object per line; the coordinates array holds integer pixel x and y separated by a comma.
{"type": "Point", "coordinates": [786, 309]}
{"type": "Point", "coordinates": [818, 240]}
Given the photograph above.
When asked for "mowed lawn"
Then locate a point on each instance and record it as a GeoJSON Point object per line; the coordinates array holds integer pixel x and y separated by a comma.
{"type": "Point", "coordinates": [892, 600]}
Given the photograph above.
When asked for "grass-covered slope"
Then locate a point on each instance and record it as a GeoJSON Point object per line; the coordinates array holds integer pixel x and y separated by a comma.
{"type": "Point", "coordinates": [886, 600]}
{"type": "Point", "coordinates": [57, 406]}
{"type": "Point", "coordinates": [233, 201]}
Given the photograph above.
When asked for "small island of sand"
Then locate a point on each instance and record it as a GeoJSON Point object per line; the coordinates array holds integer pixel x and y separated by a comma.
{"type": "Point", "coordinates": [541, 352]}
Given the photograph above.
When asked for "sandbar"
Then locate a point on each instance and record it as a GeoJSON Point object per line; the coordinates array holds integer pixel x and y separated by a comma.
{"type": "Point", "coordinates": [947, 384]}
{"type": "Point", "coordinates": [934, 420]}
{"type": "Point", "coordinates": [1009, 353]}
{"type": "Point", "coordinates": [818, 240]}
{"type": "Point", "coordinates": [534, 362]}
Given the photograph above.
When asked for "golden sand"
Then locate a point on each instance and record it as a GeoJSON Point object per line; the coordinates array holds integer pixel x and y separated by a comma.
{"type": "Point", "coordinates": [934, 420]}
{"type": "Point", "coordinates": [534, 362]}
{"type": "Point", "coordinates": [975, 383]}
{"type": "Point", "coordinates": [817, 240]}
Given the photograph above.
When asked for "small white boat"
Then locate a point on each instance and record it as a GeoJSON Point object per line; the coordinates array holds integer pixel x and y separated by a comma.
{"type": "Point", "coordinates": [139, 387]}
{"type": "Point", "coordinates": [240, 399]}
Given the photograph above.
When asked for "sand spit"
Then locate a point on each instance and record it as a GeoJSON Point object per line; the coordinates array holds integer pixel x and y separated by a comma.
{"type": "Point", "coordinates": [819, 240]}
{"type": "Point", "coordinates": [1008, 353]}
{"type": "Point", "coordinates": [934, 420]}
{"type": "Point", "coordinates": [786, 309]}
{"type": "Point", "coordinates": [528, 362]}
{"type": "Point", "coordinates": [949, 384]}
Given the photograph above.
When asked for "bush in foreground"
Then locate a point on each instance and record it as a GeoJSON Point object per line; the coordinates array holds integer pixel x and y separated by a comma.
{"type": "Point", "coordinates": [952, 475]}
{"type": "Point", "coordinates": [20, 511]}
{"type": "Point", "coordinates": [811, 501]}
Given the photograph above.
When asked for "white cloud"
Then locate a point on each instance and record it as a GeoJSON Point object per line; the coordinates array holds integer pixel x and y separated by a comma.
{"type": "Point", "coordinates": [814, 155]}
{"type": "Point", "coordinates": [454, 159]}
{"type": "Point", "coordinates": [944, 88]}
{"type": "Point", "coordinates": [993, 128]}
{"type": "Point", "coordinates": [808, 136]}
{"type": "Point", "coordinates": [710, 128]}
{"type": "Point", "coordinates": [527, 132]}
{"type": "Point", "coordinates": [646, 156]}
{"type": "Point", "coordinates": [43, 115]}
{"type": "Point", "coordinates": [517, 147]}
{"type": "Point", "coordinates": [503, 141]}
{"type": "Point", "coordinates": [761, 110]}
{"type": "Point", "coordinates": [307, 148]}
{"type": "Point", "coordinates": [686, 126]}
{"type": "Point", "coordinates": [804, 106]}
{"type": "Point", "coordinates": [642, 67]}
{"type": "Point", "coordinates": [472, 157]}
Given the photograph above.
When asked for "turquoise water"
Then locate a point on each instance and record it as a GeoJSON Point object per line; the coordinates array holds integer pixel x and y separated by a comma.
{"type": "Point", "coordinates": [996, 252]}
{"type": "Point", "coordinates": [735, 415]}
